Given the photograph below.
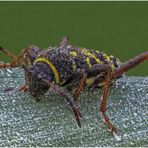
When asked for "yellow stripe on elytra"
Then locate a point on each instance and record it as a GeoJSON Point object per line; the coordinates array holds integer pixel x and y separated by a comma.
{"type": "Point", "coordinates": [53, 68]}
{"type": "Point", "coordinates": [74, 66]}
{"type": "Point", "coordinates": [87, 53]}
{"type": "Point", "coordinates": [73, 53]}
{"type": "Point", "coordinates": [106, 57]}
{"type": "Point", "coordinates": [88, 62]}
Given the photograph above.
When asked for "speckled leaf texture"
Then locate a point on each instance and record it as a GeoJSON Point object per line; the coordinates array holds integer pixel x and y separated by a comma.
{"type": "Point", "coordinates": [50, 122]}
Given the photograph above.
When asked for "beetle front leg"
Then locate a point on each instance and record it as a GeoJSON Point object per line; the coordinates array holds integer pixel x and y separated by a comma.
{"type": "Point", "coordinates": [68, 98]}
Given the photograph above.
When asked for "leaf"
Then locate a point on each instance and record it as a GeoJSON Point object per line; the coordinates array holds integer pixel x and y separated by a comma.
{"type": "Point", "coordinates": [50, 122]}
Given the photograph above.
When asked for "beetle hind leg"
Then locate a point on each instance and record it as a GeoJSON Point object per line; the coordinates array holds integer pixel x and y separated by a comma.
{"type": "Point", "coordinates": [114, 75]}
{"type": "Point", "coordinates": [130, 64]}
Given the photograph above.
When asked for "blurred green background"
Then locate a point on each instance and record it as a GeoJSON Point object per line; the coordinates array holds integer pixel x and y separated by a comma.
{"type": "Point", "coordinates": [118, 28]}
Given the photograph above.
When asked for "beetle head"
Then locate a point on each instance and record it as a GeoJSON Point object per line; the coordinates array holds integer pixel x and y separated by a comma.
{"type": "Point", "coordinates": [35, 77]}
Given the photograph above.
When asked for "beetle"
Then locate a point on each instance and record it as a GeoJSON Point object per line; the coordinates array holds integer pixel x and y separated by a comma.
{"type": "Point", "coordinates": [67, 68]}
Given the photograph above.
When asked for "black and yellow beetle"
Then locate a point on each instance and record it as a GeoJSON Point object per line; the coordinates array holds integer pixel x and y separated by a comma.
{"type": "Point", "coordinates": [72, 68]}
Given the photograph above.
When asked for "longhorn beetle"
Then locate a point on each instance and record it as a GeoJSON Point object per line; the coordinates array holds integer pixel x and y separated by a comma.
{"type": "Point", "coordinates": [73, 68]}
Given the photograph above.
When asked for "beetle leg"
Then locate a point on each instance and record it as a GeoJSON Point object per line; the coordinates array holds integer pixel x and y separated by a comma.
{"type": "Point", "coordinates": [113, 75]}
{"type": "Point", "coordinates": [23, 88]}
{"type": "Point", "coordinates": [13, 63]}
{"type": "Point", "coordinates": [80, 85]}
{"type": "Point", "coordinates": [79, 76]}
{"type": "Point", "coordinates": [79, 88]}
{"type": "Point", "coordinates": [71, 103]}
{"type": "Point", "coordinates": [96, 70]}
{"type": "Point", "coordinates": [104, 102]}
{"type": "Point", "coordinates": [68, 99]}
{"type": "Point", "coordinates": [130, 64]}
